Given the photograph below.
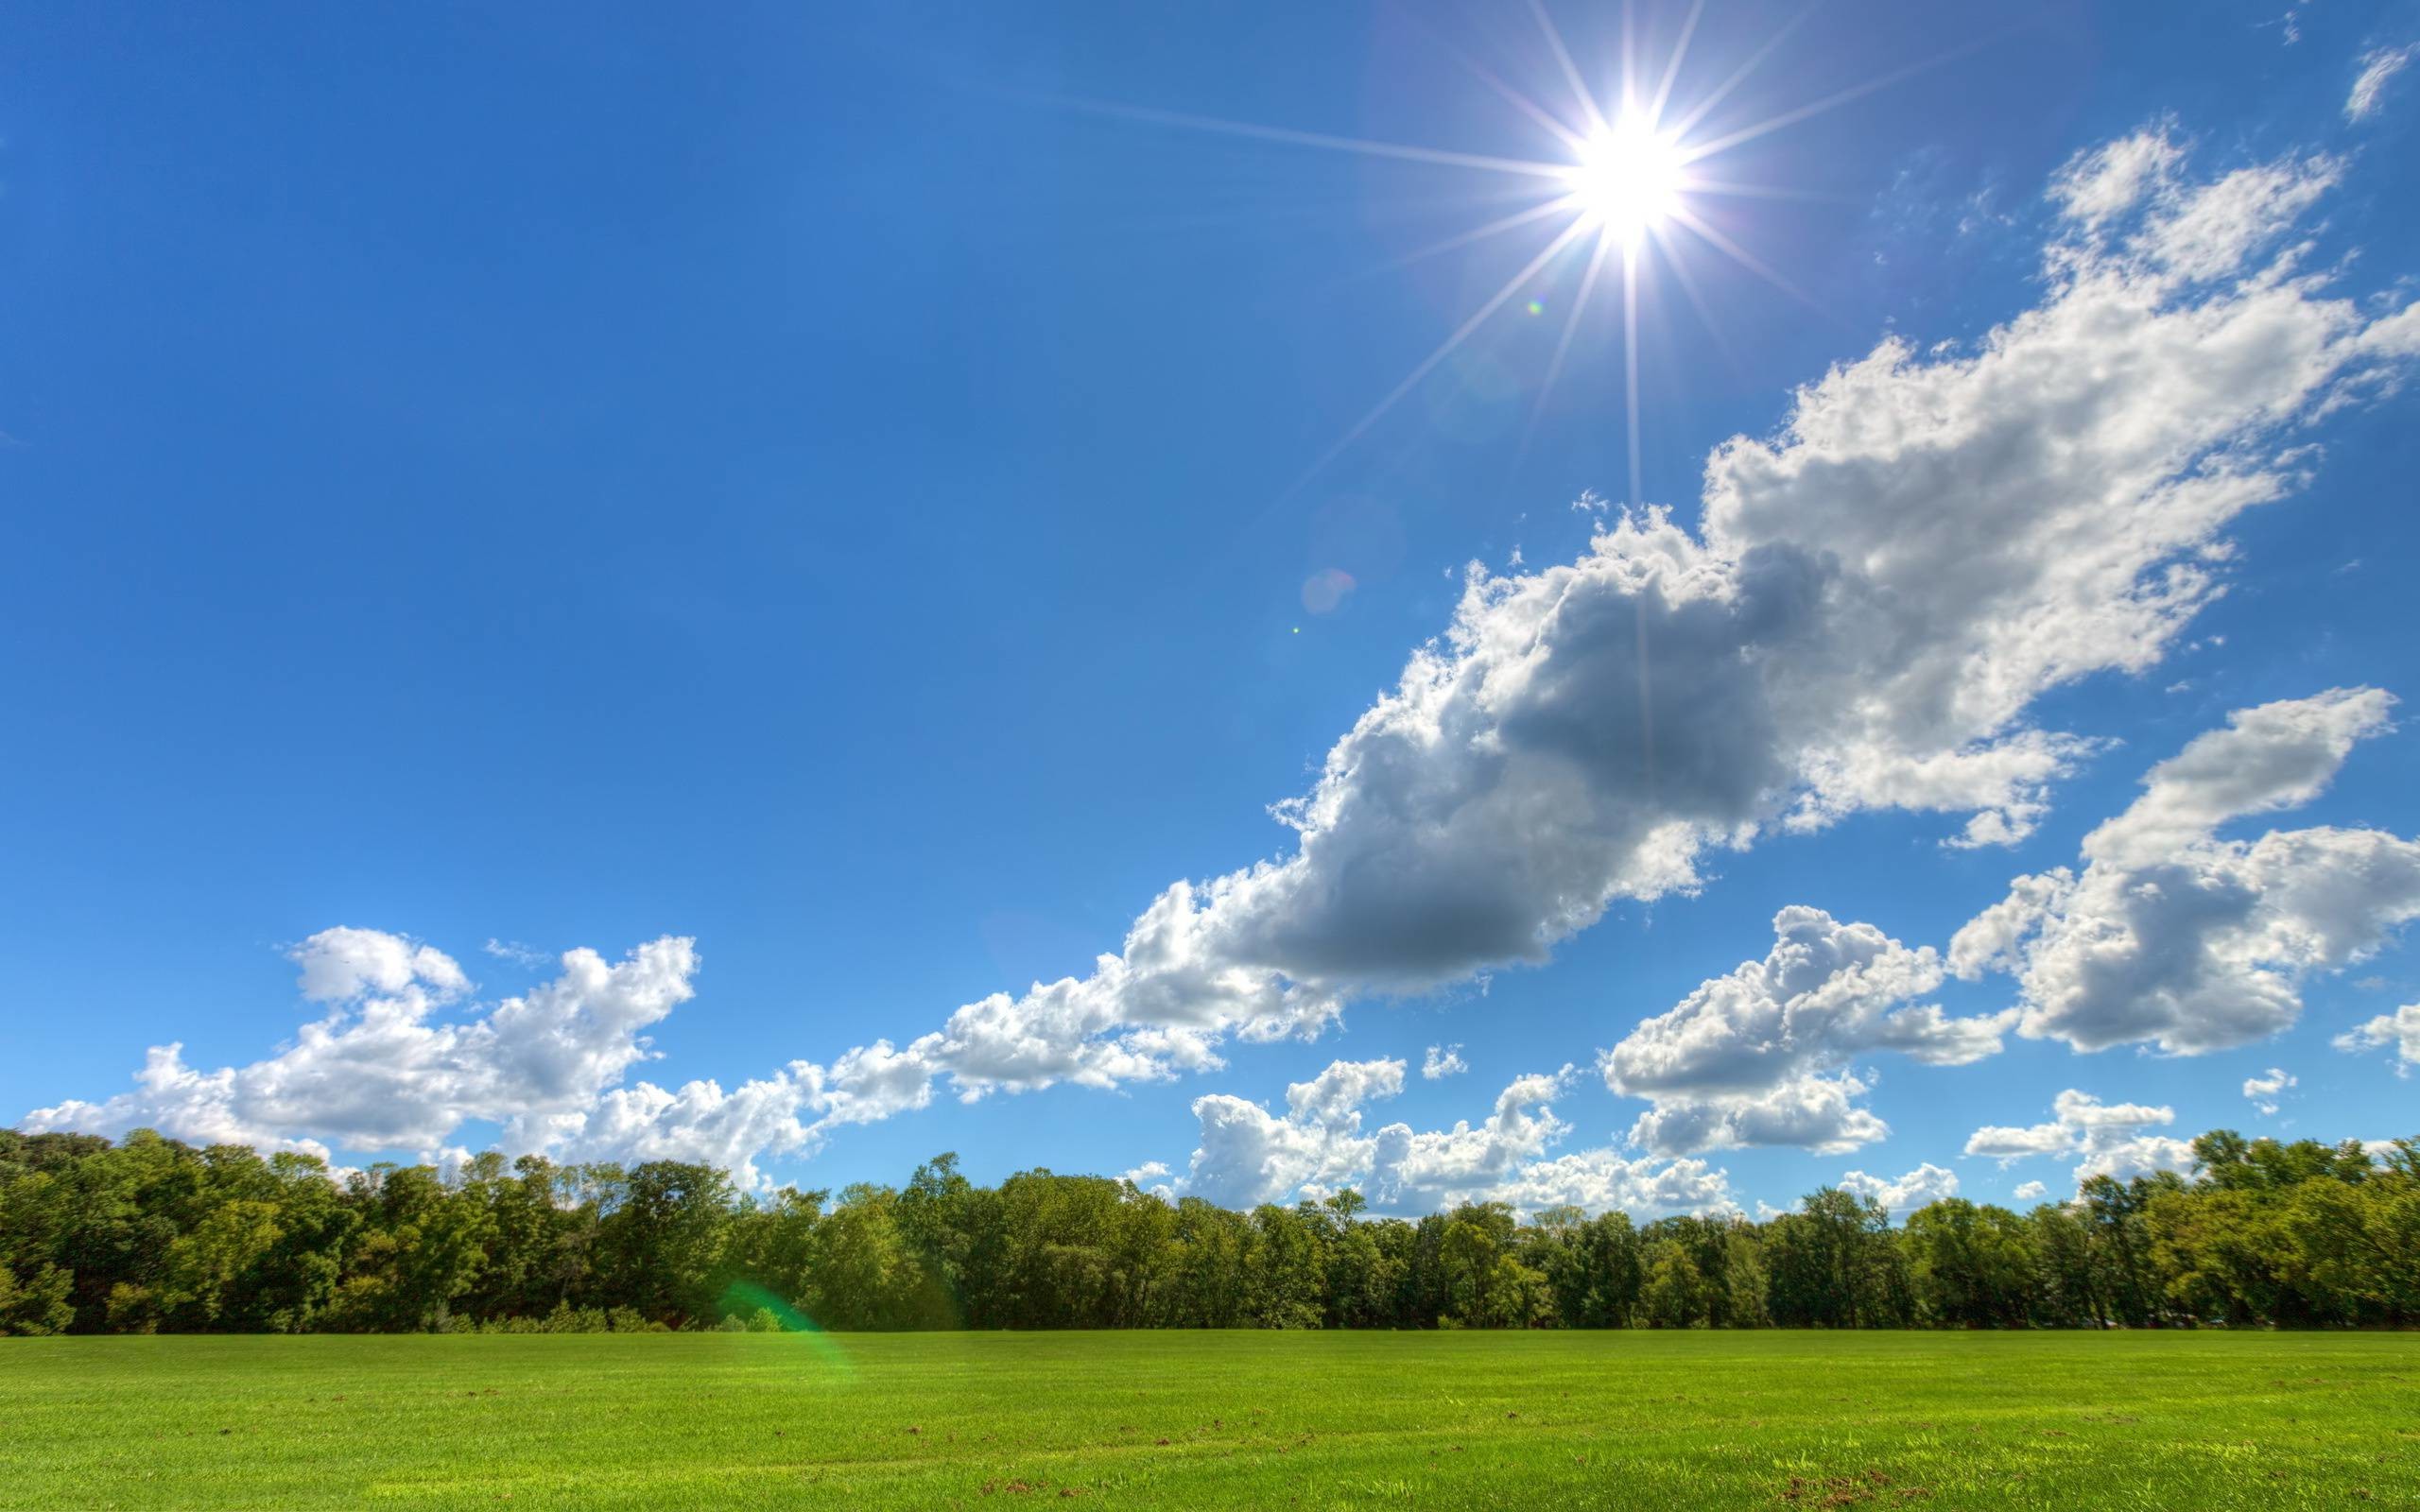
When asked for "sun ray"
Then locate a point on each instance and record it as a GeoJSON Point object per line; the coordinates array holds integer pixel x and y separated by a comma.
{"type": "Point", "coordinates": [1428, 364]}
{"type": "Point", "coordinates": [1739, 74]}
{"type": "Point", "coordinates": [1572, 140]}
{"type": "Point", "coordinates": [1562, 345]}
{"type": "Point", "coordinates": [1751, 263]}
{"type": "Point", "coordinates": [1733, 188]}
{"type": "Point", "coordinates": [1560, 203]}
{"type": "Point", "coordinates": [1625, 177]}
{"type": "Point", "coordinates": [1630, 370]}
{"type": "Point", "coordinates": [1571, 70]}
{"type": "Point", "coordinates": [1321, 140]}
{"type": "Point", "coordinates": [1680, 266]}
{"type": "Point", "coordinates": [1673, 69]}
{"type": "Point", "coordinates": [1833, 101]}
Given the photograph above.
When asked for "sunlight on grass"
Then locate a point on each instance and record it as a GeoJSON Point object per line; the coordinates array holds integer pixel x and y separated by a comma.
{"type": "Point", "coordinates": [1172, 1419]}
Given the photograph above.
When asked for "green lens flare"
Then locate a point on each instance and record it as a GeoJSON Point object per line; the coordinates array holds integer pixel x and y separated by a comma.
{"type": "Point", "coordinates": [768, 1312]}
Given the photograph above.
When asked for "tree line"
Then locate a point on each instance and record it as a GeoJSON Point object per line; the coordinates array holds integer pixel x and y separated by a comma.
{"type": "Point", "coordinates": [151, 1235]}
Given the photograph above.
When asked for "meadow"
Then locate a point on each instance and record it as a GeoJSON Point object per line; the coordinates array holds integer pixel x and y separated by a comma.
{"type": "Point", "coordinates": [2205, 1419]}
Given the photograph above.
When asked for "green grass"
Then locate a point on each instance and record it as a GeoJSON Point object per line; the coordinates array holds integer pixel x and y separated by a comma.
{"type": "Point", "coordinates": [1482, 1420]}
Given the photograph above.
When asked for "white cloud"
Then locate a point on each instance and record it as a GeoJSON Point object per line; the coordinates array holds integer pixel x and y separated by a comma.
{"type": "Point", "coordinates": [2378, 65]}
{"type": "Point", "coordinates": [2032, 1192]}
{"type": "Point", "coordinates": [518, 953]}
{"type": "Point", "coordinates": [341, 964]}
{"type": "Point", "coordinates": [1249, 1155]}
{"type": "Point", "coordinates": [2266, 1088]}
{"type": "Point", "coordinates": [1154, 1177]}
{"type": "Point", "coordinates": [1880, 590]}
{"type": "Point", "coordinates": [2106, 1139]}
{"type": "Point", "coordinates": [378, 1072]}
{"type": "Point", "coordinates": [2398, 1031]}
{"type": "Point", "coordinates": [1928, 1184]}
{"type": "Point", "coordinates": [1442, 1061]}
{"type": "Point", "coordinates": [1761, 1056]}
{"type": "Point", "coordinates": [2172, 937]}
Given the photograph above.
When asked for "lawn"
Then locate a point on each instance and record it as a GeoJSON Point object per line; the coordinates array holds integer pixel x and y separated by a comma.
{"type": "Point", "coordinates": [1671, 1421]}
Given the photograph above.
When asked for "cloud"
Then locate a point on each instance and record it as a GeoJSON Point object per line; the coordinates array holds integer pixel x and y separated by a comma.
{"type": "Point", "coordinates": [341, 964]}
{"type": "Point", "coordinates": [1442, 1061]}
{"type": "Point", "coordinates": [2032, 1192]}
{"type": "Point", "coordinates": [1761, 1056]}
{"type": "Point", "coordinates": [2172, 937]}
{"type": "Point", "coordinates": [518, 953]}
{"type": "Point", "coordinates": [1249, 1155]}
{"type": "Point", "coordinates": [1154, 1177]}
{"type": "Point", "coordinates": [2378, 65]}
{"type": "Point", "coordinates": [379, 1072]}
{"type": "Point", "coordinates": [2398, 1031]}
{"type": "Point", "coordinates": [2106, 1139]}
{"type": "Point", "coordinates": [1879, 591]}
{"type": "Point", "coordinates": [2265, 1088]}
{"type": "Point", "coordinates": [1928, 1184]}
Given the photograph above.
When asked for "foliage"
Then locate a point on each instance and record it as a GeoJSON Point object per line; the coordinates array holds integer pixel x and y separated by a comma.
{"type": "Point", "coordinates": [155, 1236]}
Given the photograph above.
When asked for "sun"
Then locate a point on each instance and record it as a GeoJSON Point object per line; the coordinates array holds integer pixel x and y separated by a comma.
{"type": "Point", "coordinates": [1629, 178]}
{"type": "Point", "coordinates": [1628, 186]}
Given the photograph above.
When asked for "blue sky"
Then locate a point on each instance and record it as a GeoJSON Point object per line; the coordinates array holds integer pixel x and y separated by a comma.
{"type": "Point", "coordinates": [862, 495]}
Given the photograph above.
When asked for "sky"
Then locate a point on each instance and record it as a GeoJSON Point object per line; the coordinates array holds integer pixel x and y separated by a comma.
{"type": "Point", "coordinates": [1649, 607]}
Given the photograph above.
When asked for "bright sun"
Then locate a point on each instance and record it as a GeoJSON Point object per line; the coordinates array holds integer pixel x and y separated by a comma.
{"type": "Point", "coordinates": [1629, 178]}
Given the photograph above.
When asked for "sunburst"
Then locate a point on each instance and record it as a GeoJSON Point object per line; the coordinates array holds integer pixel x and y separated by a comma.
{"type": "Point", "coordinates": [1621, 186]}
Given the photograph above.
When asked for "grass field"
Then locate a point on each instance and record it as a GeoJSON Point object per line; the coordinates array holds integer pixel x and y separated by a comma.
{"type": "Point", "coordinates": [1526, 1420]}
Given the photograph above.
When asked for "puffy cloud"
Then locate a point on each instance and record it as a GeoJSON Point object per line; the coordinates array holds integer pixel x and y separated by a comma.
{"type": "Point", "coordinates": [2265, 1088]}
{"type": "Point", "coordinates": [1878, 591]}
{"type": "Point", "coordinates": [2174, 937]}
{"type": "Point", "coordinates": [1249, 1155]}
{"type": "Point", "coordinates": [2106, 1139]}
{"type": "Point", "coordinates": [342, 964]}
{"type": "Point", "coordinates": [2378, 65]}
{"type": "Point", "coordinates": [1442, 1061]}
{"type": "Point", "coordinates": [2398, 1031]}
{"type": "Point", "coordinates": [1928, 1184]}
{"type": "Point", "coordinates": [2032, 1192]}
{"type": "Point", "coordinates": [1761, 1056]}
{"type": "Point", "coordinates": [378, 1073]}
{"type": "Point", "coordinates": [1154, 1177]}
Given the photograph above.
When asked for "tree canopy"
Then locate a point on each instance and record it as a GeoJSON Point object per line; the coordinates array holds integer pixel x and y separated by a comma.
{"type": "Point", "coordinates": [153, 1235]}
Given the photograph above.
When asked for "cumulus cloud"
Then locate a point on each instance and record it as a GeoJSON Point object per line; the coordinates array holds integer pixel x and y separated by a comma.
{"type": "Point", "coordinates": [1249, 1155]}
{"type": "Point", "coordinates": [380, 1071]}
{"type": "Point", "coordinates": [2378, 65]}
{"type": "Point", "coordinates": [2398, 1031]}
{"type": "Point", "coordinates": [2104, 1139]}
{"type": "Point", "coordinates": [1762, 1055]}
{"type": "Point", "coordinates": [2174, 936]}
{"type": "Point", "coordinates": [1154, 1177]}
{"type": "Point", "coordinates": [2265, 1088]}
{"type": "Point", "coordinates": [341, 964]}
{"type": "Point", "coordinates": [1878, 591]}
{"type": "Point", "coordinates": [1442, 1061]}
{"type": "Point", "coordinates": [2032, 1192]}
{"type": "Point", "coordinates": [1928, 1184]}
